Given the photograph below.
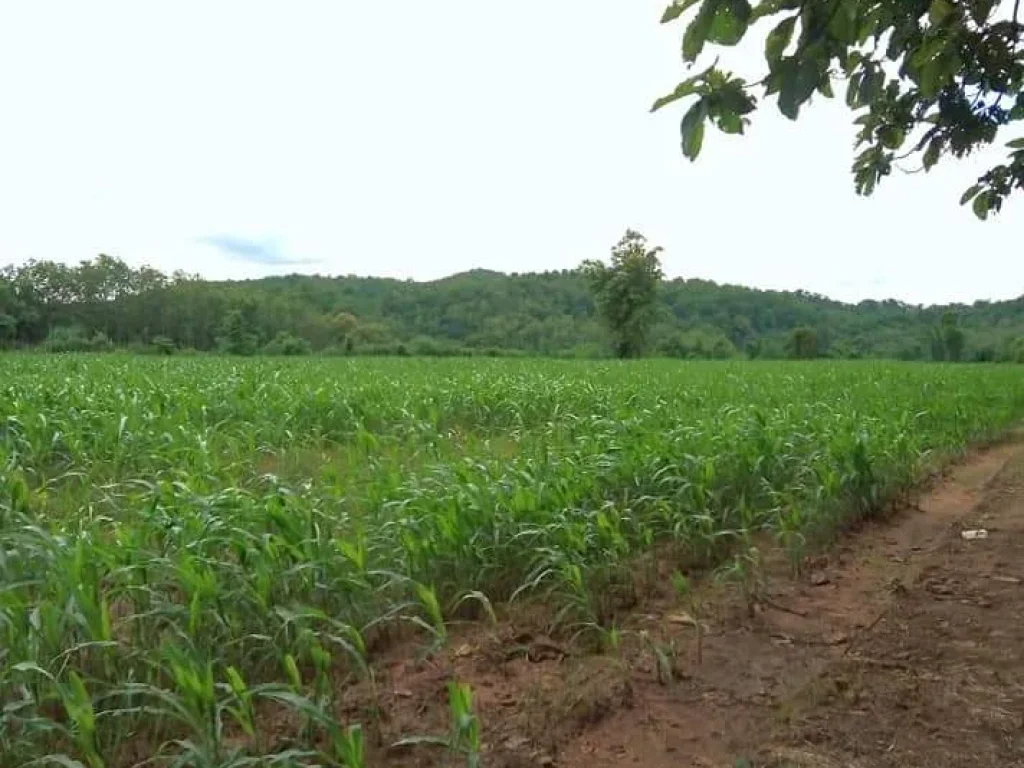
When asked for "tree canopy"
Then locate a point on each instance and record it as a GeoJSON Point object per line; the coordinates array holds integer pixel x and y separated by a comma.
{"type": "Point", "coordinates": [927, 79]}
{"type": "Point", "coordinates": [554, 313]}
{"type": "Point", "coordinates": [626, 292]}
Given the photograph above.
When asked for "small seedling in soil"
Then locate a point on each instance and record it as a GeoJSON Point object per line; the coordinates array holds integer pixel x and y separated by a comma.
{"type": "Point", "coordinates": [666, 658]}
{"type": "Point", "coordinates": [745, 570]}
{"type": "Point", "coordinates": [685, 592]}
{"type": "Point", "coordinates": [464, 733]}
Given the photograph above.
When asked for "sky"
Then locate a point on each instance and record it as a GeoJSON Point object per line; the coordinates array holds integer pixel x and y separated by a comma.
{"type": "Point", "coordinates": [419, 139]}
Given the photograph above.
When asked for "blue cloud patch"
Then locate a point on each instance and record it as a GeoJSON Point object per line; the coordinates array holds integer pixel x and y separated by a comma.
{"type": "Point", "coordinates": [267, 252]}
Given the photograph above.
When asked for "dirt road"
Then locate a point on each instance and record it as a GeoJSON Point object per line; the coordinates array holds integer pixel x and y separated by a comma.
{"type": "Point", "coordinates": [908, 651]}
{"type": "Point", "coordinates": [904, 646]}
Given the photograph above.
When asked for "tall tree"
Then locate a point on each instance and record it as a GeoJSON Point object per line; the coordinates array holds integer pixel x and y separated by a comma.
{"type": "Point", "coordinates": [947, 340]}
{"type": "Point", "coordinates": [952, 338]}
{"type": "Point", "coordinates": [237, 337]}
{"type": "Point", "coordinates": [927, 78]}
{"type": "Point", "coordinates": [626, 292]}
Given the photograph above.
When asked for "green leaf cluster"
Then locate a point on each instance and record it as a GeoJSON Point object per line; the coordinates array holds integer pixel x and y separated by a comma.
{"type": "Point", "coordinates": [722, 99]}
{"type": "Point", "coordinates": [927, 79]}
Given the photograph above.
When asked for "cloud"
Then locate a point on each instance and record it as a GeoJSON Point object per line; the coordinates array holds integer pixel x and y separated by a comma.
{"type": "Point", "coordinates": [266, 252]}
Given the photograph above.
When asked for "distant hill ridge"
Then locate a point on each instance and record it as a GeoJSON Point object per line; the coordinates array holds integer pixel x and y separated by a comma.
{"type": "Point", "coordinates": [478, 311]}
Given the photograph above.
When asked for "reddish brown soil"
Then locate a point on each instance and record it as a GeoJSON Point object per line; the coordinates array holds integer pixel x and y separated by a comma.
{"type": "Point", "coordinates": [904, 646]}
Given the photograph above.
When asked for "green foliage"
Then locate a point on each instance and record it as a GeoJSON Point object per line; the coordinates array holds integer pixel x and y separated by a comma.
{"type": "Point", "coordinates": [1014, 350]}
{"type": "Point", "coordinates": [162, 345]}
{"type": "Point", "coordinates": [947, 341]}
{"type": "Point", "coordinates": [8, 328]}
{"type": "Point", "coordinates": [803, 343]}
{"type": "Point", "coordinates": [698, 344]}
{"type": "Point", "coordinates": [286, 344]}
{"type": "Point", "coordinates": [721, 99]}
{"type": "Point", "coordinates": [926, 78]}
{"type": "Point", "coordinates": [75, 339]}
{"type": "Point", "coordinates": [477, 313]}
{"type": "Point", "coordinates": [626, 292]}
{"type": "Point", "coordinates": [952, 338]}
{"type": "Point", "coordinates": [236, 335]}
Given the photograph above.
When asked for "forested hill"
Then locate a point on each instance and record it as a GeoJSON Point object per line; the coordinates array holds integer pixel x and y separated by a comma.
{"type": "Point", "coordinates": [104, 302]}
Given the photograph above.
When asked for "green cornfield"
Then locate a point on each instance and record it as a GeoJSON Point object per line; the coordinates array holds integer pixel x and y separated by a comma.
{"type": "Point", "coordinates": [187, 544]}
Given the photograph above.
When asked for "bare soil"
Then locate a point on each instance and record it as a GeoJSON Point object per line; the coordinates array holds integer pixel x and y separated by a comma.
{"type": "Point", "coordinates": [903, 646]}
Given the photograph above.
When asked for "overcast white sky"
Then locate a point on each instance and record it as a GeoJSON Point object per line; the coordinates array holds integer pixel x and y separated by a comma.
{"type": "Point", "coordinates": [418, 139]}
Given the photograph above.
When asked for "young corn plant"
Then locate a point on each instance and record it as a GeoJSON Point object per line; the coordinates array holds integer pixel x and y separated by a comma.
{"type": "Point", "coordinates": [435, 623]}
{"type": "Point", "coordinates": [744, 570]}
{"type": "Point", "coordinates": [566, 588]}
{"type": "Point", "coordinates": [241, 709]}
{"type": "Point", "coordinates": [790, 528]}
{"type": "Point", "coordinates": [82, 717]}
{"type": "Point", "coordinates": [465, 733]}
{"type": "Point", "coordinates": [349, 747]}
{"type": "Point", "coordinates": [463, 737]}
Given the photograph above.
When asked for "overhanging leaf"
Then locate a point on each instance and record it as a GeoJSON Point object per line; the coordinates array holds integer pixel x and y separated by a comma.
{"type": "Point", "coordinates": [697, 32]}
{"type": "Point", "coordinates": [676, 95]}
{"type": "Point", "coordinates": [970, 194]}
{"type": "Point", "coordinates": [677, 9]}
{"type": "Point", "coordinates": [853, 91]}
{"type": "Point", "coordinates": [934, 74]}
{"type": "Point", "coordinates": [798, 84]}
{"type": "Point", "coordinates": [939, 11]}
{"type": "Point", "coordinates": [982, 205]}
{"type": "Point", "coordinates": [734, 97]}
{"type": "Point", "coordinates": [730, 22]}
{"type": "Point", "coordinates": [777, 40]}
{"type": "Point", "coordinates": [891, 136]}
{"type": "Point", "coordinates": [692, 129]}
{"type": "Point", "coordinates": [730, 122]}
{"type": "Point", "coordinates": [771, 7]}
{"type": "Point", "coordinates": [686, 88]}
{"type": "Point", "coordinates": [981, 10]}
{"type": "Point", "coordinates": [843, 23]}
{"type": "Point", "coordinates": [870, 87]}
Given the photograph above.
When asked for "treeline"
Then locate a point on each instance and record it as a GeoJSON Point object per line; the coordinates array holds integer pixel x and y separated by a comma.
{"type": "Point", "coordinates": [104, 303]}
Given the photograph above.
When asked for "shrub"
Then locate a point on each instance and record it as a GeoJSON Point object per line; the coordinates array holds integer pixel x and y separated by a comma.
{"type": "Point", "coordinates": [161, 345]}
{"type": "Point", "coordinates": [74, 339]}
{"type": "Point", "coordinates": [287, 344]}
{"type": "Point", "coordinates": [698, 344]}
